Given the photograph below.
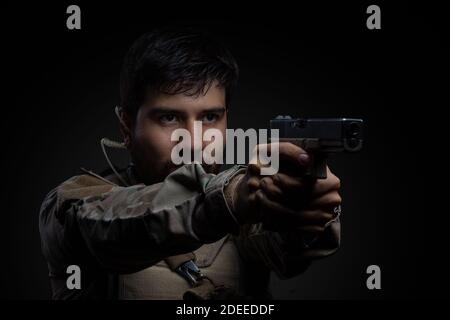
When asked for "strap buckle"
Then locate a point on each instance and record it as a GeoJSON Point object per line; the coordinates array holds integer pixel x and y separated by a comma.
{"type": "Point", "coordinates": [189, 271]}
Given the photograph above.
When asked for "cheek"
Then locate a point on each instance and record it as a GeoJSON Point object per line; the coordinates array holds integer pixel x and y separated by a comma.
{"type": "Point", "coordinates": [222, 127]}
{"type": "Point", "coordinates": [154, 141]}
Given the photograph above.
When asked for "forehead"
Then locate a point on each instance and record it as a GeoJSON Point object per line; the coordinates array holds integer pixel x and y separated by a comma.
{"type": "Point", "coordinates": [214, 98]}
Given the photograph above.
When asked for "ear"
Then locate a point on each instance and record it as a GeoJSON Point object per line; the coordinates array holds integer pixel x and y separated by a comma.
{"type": "Point", "coordinates": [125, 126]}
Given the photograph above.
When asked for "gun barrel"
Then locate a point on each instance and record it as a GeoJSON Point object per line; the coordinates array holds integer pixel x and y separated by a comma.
{"type": "Point", "coordinates": [325, 134]}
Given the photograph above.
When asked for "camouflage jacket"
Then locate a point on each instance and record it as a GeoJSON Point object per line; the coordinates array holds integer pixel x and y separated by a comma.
{"type": "Point", "coordinates": [108, 229]}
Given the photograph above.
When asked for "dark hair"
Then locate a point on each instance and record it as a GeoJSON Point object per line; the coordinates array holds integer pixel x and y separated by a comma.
{"type": "Point", "coordinates": [173, 61]}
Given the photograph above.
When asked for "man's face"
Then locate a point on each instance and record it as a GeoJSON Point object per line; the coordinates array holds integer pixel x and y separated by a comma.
{"type": "Point", "coordinates": [151, 144]}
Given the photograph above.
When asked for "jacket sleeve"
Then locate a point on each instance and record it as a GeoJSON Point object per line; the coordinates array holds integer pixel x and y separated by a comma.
{"type": "Point", "coordinates": [287, 253]}
{"type": "Point", "coordinates": [126, 229]}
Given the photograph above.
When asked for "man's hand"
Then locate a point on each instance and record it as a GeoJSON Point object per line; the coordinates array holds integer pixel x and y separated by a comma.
{"type": "Point", "coordinates": [286, 201]}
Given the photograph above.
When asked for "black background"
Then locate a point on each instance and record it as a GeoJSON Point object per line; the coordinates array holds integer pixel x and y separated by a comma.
{"type": "Point", "coordinates": [60, 87]}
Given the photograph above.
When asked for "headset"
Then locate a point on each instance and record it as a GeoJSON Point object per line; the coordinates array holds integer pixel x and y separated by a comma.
{"type": "Point", "coordinates": [105, 142]}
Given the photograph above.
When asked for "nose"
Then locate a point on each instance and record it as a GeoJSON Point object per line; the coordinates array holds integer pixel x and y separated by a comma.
{"type": "Point", "coordinates": [192, 127]}
{"type": "Point", "coordinates": [195, 129]}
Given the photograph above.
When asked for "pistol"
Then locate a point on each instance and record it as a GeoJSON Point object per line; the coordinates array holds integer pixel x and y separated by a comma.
{"type": "Point", "coordinates": [320, 137]}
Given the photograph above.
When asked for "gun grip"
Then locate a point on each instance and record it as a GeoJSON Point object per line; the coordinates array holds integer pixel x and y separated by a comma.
{"type": "Point", "coordinates": [318, 169]}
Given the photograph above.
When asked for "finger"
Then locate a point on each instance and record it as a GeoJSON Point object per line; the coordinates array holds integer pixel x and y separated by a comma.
{"type": "Point", "coordinates": [311, 229]}
{"type": "Point", "coordinates": [279, 217]}
{"type": "Point", "coordinates": [286, 151]}
{"type": "Point", "coordinates": [271, 190]}
{"type": "Point", "coordinates": [296, 191]}
{"type": "Point", "coordinates": [291, 184]}
{"type": "Point", "coordinates": [323, 186]}
{"type": "Point", "coordinates": [254, 168]}
{"type": "Point", "coordinates": [283, 226]}
{"type": "Point", "coordinates": [327, 201]}
{"type": "Point", "coordinates": [253, 184]}
{"type": "Point", "coordinates": [292, 152]}
{"type": "Point", "coordinates": [316, 217]}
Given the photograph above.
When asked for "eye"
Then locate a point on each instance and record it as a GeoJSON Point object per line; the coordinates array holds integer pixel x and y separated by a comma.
{"type": "Point", "coordinates": [210, 117]}
{"type": "Point", "coordinates": [168, 118]}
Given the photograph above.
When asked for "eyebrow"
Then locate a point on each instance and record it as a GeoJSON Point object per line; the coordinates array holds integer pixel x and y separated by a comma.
{"type": "Point", "coordinates": [166, 109]}
{"type": "Point", "coordinates": [215, 109]}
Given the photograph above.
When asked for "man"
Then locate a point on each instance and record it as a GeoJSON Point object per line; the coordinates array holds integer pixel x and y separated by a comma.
{"type": "Point", "coordinates": [144, 232]}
